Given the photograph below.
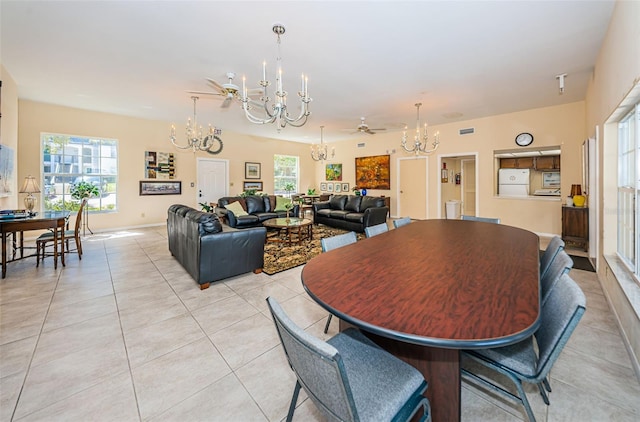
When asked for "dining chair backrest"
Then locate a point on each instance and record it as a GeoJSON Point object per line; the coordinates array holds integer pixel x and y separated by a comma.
{"type": "Point", "coordinates": [481, 219]}
{"type": "Point", "coordinates": [555, 245]}
{"type": "Point", "coordinates": [317, 365]}
{"type": "Point", "coordinates": [79, 215]}
{"type": "Point", "coordinates": [401, 222]}
{"type": "Point", "coordinates": [560, 316]}
{"type": "Point", "coordinates": [377, 229]}
{"type": "Point", "coordinates": [333, 242]}
{"type": "Point", "coordinates": [562, 264]}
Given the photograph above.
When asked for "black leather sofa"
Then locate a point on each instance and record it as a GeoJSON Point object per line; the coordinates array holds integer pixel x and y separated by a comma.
{"type": "Point", "coordinates": [209, 250]}
{"type": "Point", "coordinates": [350, 212]}
{"type": "Point", "coordinates": [258, 208]}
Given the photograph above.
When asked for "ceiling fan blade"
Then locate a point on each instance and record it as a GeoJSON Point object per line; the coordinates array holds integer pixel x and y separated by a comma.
{"type": "Point", "coordinates": [205, 93]}
{"type": "Point", "coordinates": [382, 128]}
{"type": "Point", "coordinates": [216, 85]}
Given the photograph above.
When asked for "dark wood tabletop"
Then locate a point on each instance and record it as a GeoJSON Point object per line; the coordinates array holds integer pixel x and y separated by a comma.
{"type": "Point", "coordinates": [433, 287]}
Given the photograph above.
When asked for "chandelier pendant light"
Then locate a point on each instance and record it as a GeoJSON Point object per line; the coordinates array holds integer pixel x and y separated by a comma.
{"type": "Point", "coordinates": [196, 139]}
{"type": "Point", "coordinates": [320, 152]}
{"type": "Point", "coordinates": [276, 111]}
{"type": "Point", "coordinates": [420, 139]}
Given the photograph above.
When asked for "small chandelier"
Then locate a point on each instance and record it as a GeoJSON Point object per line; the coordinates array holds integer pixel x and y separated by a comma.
{"type": "Point", "coordinates": [319, 152]}
{"type": "Point", "coordinates": [277, 111]}
{"type": "Point", "coordinates": [420, 140]}
{"type": "Point", "coordinates": [196, 140]}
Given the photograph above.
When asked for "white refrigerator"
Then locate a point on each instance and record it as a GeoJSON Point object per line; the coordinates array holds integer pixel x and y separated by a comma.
{"type": "Point", "coordinates": [513, 182]}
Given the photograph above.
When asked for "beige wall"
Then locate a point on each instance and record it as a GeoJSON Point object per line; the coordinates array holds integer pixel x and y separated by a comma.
{"type": "Point", "coordinates": [616, 72]}
{"type": "Point", "coordinates": [136, 136]}
{"type": "Point", "coordinates": [9, 133]}
{"type": "Point", "coordinates": [551, 126]}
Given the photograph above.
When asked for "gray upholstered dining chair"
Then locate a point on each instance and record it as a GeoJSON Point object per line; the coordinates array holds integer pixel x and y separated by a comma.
{"type": "Point", "coordinates": [401, 222]}
{"type": "Point", "coordinates": [482, 219]}
{"type": "Point", "coordinates": [561, 264]}
{"type": "Point", "coordinates": [377, 229]}
{"type": "Point", "coordinates": [519, 362]}
{"type": "Point", "coordinates": [348, 377]}
{"type": "Point", "coordinates": [44, 238]}
{"type": "Point", "coordinates": [333, 242]}
{"type": "Point", "coordinates": [555, 245]}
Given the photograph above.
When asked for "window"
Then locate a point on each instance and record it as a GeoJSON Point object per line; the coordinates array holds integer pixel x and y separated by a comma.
{"type": "Point", "coordinates": [285, 172]}
{"type": "Point", "coordinates": [67, 160]}
{"type": "Point", "coordinates": [628, 187]}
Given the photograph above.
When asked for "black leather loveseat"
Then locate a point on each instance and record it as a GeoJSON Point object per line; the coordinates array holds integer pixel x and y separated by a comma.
{"type": "Point", "coordinates": [350, 212]}
{"type": "Point", "coordinates": [257, 209]}
{"type": "Point", "coordinates": [209, 250]}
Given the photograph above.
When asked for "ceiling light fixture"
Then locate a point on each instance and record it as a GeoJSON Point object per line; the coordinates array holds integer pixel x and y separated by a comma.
{"type": "Point", "coordinates": [420, 140]}
{"type": "Point", "coordinates": [320, 152]}
{"type": "Point", "coordinates": [196, 140]}
{"type": "Point", "coordinates": [277, 112]}
{"type": "Point", "coordinates": [560, 79]}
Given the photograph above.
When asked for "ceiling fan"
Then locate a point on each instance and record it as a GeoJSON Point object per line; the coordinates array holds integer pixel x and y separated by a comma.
{"type": "Point", "coordinates": [364, 128]}
{"type": "Point", "coordinates": [228, 90]}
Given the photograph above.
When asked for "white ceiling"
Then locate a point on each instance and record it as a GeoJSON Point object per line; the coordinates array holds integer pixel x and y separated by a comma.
{"type": "Point", "coordinates": [461, 59]}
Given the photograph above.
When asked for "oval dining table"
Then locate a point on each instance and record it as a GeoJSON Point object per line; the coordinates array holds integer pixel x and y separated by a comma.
{"type": "Point", "coordinates": [429, 289]}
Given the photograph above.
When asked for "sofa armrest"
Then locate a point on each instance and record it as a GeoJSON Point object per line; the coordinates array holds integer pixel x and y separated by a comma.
{"type": "Point", "coordinates": [231, 252]}
{"type": "Point", "coordinates": [373, 216]}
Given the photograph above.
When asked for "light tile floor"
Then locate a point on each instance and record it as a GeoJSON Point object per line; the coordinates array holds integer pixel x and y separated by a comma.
{"type": "Point", "coordinates": [126, 335]}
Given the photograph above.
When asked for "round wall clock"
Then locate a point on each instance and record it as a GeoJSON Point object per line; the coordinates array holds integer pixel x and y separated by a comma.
{"type": "Point", "coordinates": [524, 139]}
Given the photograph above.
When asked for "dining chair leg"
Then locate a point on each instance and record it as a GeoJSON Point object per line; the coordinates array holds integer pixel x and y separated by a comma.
{"type": "Point", "coordinates": [326, 327]}
{"type": "Point", "coordinates": [294, 399]}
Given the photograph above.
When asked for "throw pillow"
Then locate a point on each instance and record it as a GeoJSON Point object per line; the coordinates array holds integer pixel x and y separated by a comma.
{"type": "Point", "coordinates": [281, 202]}
{"type": "Point", "coordinates": [236, 209]}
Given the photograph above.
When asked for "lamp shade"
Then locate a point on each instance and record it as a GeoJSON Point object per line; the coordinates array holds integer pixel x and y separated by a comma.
{"type": "Point", "coordinates": [30, 185]}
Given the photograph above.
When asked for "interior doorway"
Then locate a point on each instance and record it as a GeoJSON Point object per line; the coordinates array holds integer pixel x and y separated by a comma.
{"type": "Point", "coordinates": [213, 176]}
{"type": "Point", "coordinates": [412, 188]}
{"type": "Point", "coordinates": [458, 182]}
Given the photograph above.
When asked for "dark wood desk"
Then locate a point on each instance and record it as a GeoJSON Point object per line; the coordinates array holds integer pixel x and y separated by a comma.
{"type": "Point", "coordinates": [54, 220]}
{"type": "Point", "coordinates": [430, 288]}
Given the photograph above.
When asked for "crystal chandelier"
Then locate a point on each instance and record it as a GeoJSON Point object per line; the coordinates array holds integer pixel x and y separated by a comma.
{"type": "Point", "coordinates": [319, 152]}
{"type": "Point", "coordinates": [420, 140]}
{"type": "Point", "coordinates": [277, 111]}
{"type": "Point", "coordinates": [196, 140]}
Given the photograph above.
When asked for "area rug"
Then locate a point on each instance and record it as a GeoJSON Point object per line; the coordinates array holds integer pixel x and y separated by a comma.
{"type": "Point", "coordinates": [281, 257]}
{"type": "Point", "coordinates": [582, 263]}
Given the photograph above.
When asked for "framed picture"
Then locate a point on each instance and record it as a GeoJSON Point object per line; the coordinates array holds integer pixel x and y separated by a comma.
{"type": "Point", "coordinates": [337, 188]}
{"type": "Point", "coordinates": [252, 171]}
{"type": "Point", "coordinates": [323, 186]}
{"type": "Point", "coordinates": [345, 187]}
{"type": "Point", "coordinates": [373, 172]}
{"type": "Point", "coordinates": [160, 188]}
{"type": "Point", "coordinates": [333, 171]}
{"type": "Point", "coordinates": [252, 185]}
{"type": "Point", "coordinates": [329, 187]}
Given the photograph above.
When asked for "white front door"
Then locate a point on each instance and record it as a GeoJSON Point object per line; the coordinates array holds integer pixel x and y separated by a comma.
{"type": "Point", "coordinates": [412, 184]}
{"type": "Point", "coordinates": [213, 175]}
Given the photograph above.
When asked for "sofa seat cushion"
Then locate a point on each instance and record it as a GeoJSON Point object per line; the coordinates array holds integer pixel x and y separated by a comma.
{"type": "Point", "coordinates": [339, 214]}
{"type": "Point", "coordinates": [247, 221]}
{"type": "Point", "coordinates": [325, 212]}
{"type": "Point", "coordinates": [236, 209]}
{"type": "Point", "coordinates": [355, 217]}
{"type": "Point", "coordinates": [262, 216]}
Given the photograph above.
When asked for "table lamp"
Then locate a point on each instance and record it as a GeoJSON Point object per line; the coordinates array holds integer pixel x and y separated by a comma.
{"type": "Point", "coordinates": [30, 186]}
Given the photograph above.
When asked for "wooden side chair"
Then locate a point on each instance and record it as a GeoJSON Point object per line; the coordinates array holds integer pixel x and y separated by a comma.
{"type": "Point", "coordinates": [44, 238]}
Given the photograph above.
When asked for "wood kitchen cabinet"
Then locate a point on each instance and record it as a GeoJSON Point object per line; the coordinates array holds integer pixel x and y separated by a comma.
{"type": "Point", "coordinates": [517, 163]}
{"type": "Point", "coordinates": [547, 162]}
{"type": "Point", "coordinates": [575, 226]}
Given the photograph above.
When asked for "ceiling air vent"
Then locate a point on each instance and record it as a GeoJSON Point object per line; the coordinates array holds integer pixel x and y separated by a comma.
{"type": "Point", "coordinates": [361, 145]}
{"type": "Point", "coordinates": [467, 131]}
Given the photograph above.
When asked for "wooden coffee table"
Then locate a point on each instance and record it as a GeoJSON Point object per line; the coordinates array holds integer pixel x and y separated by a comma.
{"type": "Point", "coordinates": [289, 230]}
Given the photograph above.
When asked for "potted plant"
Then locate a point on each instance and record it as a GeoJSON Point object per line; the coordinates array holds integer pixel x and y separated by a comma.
{"type": "Point", "coordinates": [311, 191]}
{"type": "Point", "coordinates": [206, 207]}
{"type": "Point", "coordinates": [289, 187]}
{"type": "Point", "coordinates": [81, 190]}
{"type": "Point", "coordinates": [356, 191]}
